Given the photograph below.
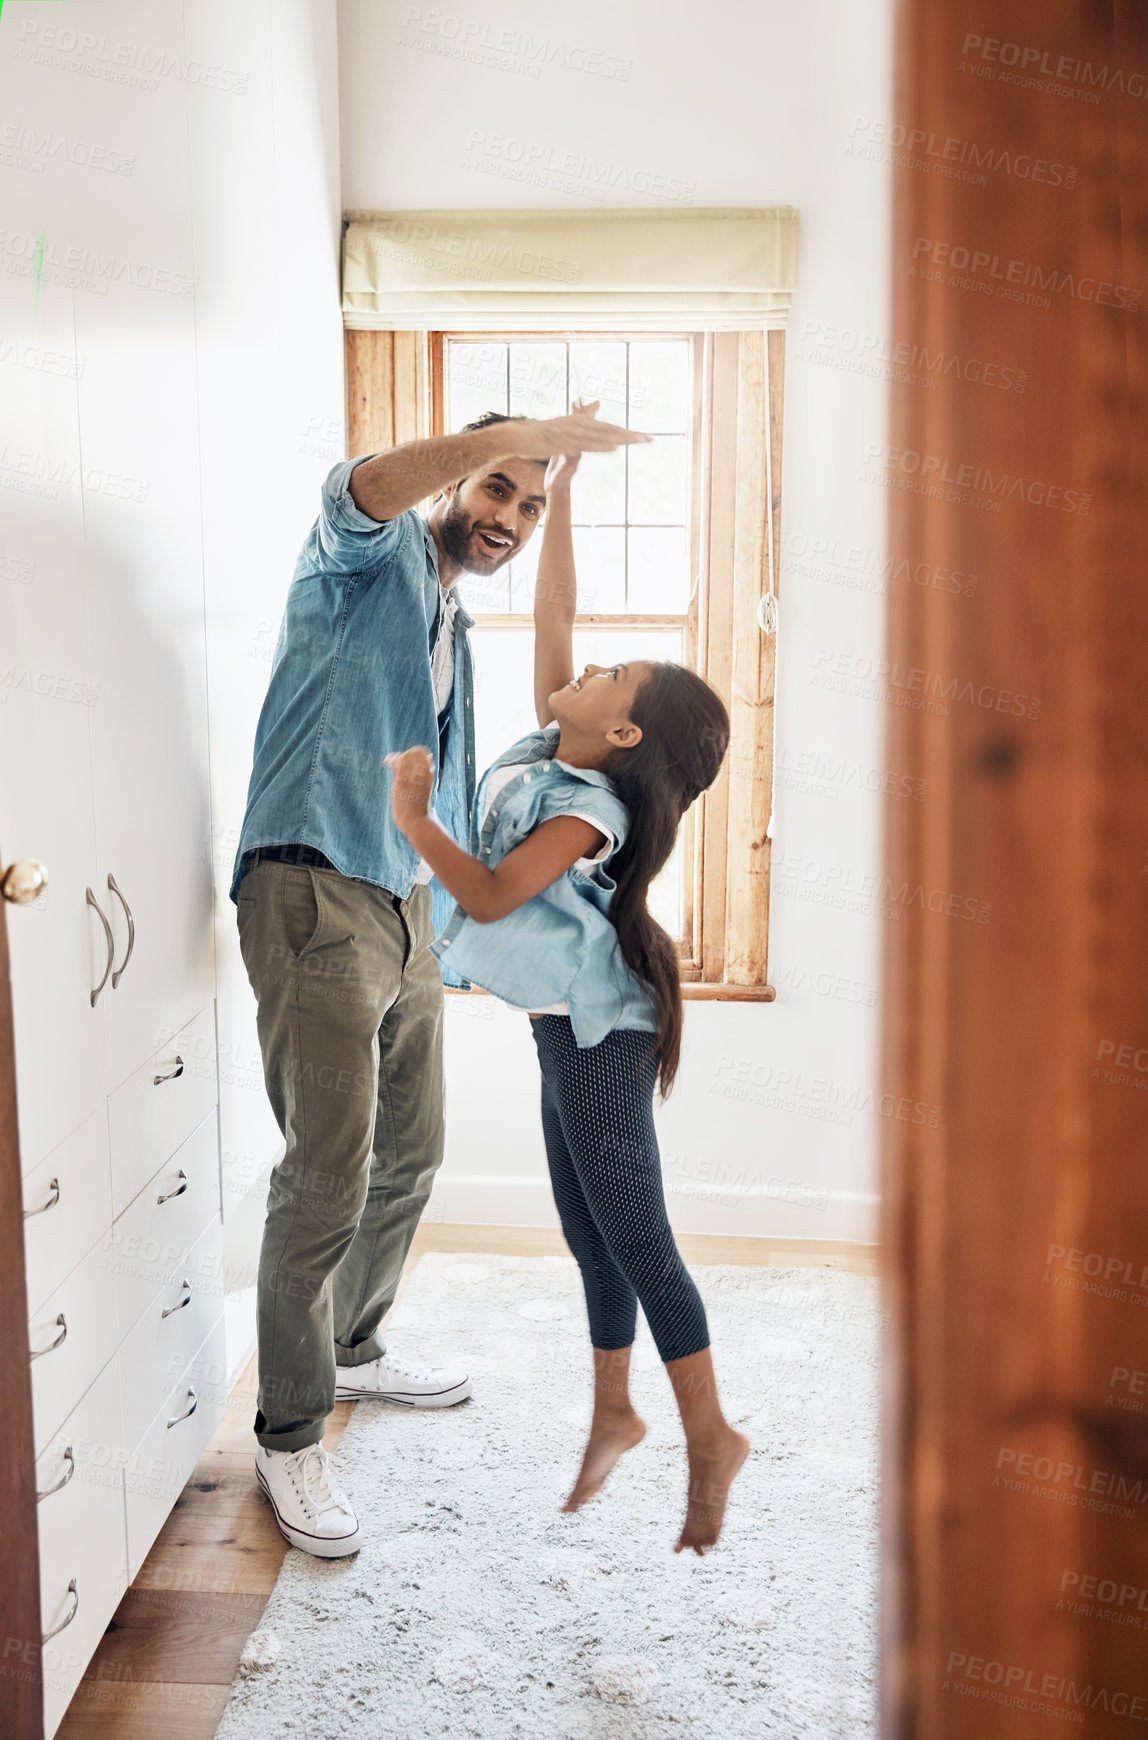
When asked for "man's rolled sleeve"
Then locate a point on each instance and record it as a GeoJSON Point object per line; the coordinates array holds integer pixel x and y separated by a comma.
{"type": "Point", "coordinates": [349, 539]}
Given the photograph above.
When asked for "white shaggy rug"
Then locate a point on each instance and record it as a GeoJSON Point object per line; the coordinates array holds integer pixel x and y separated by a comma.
{"type": "Point", "coordinates": [476, 1609]}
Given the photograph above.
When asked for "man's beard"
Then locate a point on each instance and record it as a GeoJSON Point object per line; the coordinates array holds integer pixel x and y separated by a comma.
{"type": "Point", "coordinates": [456, 531]}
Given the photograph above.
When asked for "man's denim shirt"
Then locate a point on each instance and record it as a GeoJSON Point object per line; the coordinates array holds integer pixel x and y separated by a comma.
{"type": "Point", "coordinates": [560, 946]}
{"type": "Point", "coordinates": [350, 683]}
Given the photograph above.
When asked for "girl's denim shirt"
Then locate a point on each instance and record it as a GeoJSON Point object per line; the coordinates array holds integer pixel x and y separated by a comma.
{"type": "Point", "coordinates": [560, 946]}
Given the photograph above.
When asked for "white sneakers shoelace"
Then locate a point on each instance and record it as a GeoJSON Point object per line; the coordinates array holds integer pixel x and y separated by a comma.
{"type": "Point", "coordinates": [320, 1488]}
{"type": "Point", "coordinates": [408, 1368]}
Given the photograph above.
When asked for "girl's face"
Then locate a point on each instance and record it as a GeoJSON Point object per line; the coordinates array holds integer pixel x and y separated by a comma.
{"type": "Point", "coordinates": [597, 704]}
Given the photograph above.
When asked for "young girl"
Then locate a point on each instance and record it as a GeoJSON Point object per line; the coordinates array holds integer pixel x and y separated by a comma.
{"type": "Point", "coordinates": [571, 826]}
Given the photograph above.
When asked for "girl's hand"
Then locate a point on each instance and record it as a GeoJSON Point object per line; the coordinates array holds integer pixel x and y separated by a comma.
{"type": "Point", "coordinates": [412, 787]}
{"type": "Point", "coordinates": [562, 466]}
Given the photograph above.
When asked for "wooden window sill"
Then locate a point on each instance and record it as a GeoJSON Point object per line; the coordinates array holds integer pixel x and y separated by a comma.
{"type": "Point", "coordinates": [696, 991]}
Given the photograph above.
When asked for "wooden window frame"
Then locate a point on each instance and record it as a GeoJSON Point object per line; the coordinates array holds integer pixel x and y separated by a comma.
{"type": "Point", "coordinates": [395, 393]}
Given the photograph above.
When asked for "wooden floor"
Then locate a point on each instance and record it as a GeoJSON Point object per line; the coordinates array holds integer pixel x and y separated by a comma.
{"type": "Point", "coordinates": [167, 1661]}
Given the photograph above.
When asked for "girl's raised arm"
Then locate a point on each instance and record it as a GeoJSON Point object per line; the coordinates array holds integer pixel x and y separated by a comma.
{"type": "Point", "coordinates": [556, 589]}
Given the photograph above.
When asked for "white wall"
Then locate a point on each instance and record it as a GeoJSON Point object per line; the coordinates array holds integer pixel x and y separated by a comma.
{"type": "Point", "coordinates": [773, 1127]}
{"type": "Point", "coordinates": [266, 211]}
{"type": "Point", "coordinates": [179, 161]}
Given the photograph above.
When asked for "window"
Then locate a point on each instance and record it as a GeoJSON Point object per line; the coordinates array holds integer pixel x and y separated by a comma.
{"type": "Point", "coordinates": [675, 543]}
{"type": "Point", "coordinates": [631, 524]}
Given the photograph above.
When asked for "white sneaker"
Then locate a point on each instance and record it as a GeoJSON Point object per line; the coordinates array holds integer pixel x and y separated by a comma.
{"type": "Point", "coordinates": [312, 1511]}
{"type": "Point", "coordinates": [391, 1378]}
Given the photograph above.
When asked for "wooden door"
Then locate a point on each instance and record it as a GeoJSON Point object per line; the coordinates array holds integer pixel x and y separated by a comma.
{"type": "Point", "coordinates": [1017, 986]}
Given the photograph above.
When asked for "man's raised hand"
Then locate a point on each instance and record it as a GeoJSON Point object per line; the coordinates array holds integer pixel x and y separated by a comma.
{"type": "Point", "coordinates": [579, 432]}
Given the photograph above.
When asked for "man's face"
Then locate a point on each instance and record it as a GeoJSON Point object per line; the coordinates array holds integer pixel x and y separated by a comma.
{"type": "Point", "coordinates": [489, 517]}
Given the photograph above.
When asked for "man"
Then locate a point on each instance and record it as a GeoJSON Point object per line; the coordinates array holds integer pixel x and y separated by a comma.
{"type": "Point", "coordinates": [335, 919]}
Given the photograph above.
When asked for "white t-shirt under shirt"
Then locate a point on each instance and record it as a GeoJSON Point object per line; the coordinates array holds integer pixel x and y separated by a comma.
{"type": "Point", "coordinates": [442, 676]}
{"type": "Point", "coordinates": [501, 777]}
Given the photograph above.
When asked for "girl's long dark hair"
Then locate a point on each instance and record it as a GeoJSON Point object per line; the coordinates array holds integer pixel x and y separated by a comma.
{"type": "Point", "coordinates": [685, 734]}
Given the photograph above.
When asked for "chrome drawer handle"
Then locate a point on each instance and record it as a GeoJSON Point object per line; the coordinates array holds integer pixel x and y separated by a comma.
{"type": "Point", "coordinates": [109, 942]}
{"type": "Point", "coordinates": [39, 1352]}
{"type": "Point", "coordinates": [187, 1412]}
{"type": "Point", "coordinates": [171, 1074]}
{"type": "Point", "coordinates": [186, 1300]}
{"type": "Point", "coordinates": [119, 893]}
{"type": "Point", "coordinates": [54, 1187]}
{"type": "Point", "coordinates": [64, 1623]}
{"type": "Point", "coordinates": [168, 1194]}
{"type": "Point", "coordinates": [63, 1481]}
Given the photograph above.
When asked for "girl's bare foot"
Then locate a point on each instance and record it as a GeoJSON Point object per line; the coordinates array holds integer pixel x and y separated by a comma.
{"type": "Point", "coordinates": [609, 1439]}
{"type": "Point", "coordinates": [712, 1473]}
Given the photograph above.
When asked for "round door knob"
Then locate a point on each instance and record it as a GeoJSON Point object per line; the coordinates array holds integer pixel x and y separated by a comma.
{"type": "Point", "coordinates": [23, 882]}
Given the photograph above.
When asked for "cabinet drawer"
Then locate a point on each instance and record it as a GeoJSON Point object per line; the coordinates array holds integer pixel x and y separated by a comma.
{"type": "Point", "coordinates": [68, 1198]}
{"type": "Point", "coordinates": [157, 1108]}
{"type": "Point", "coordinates": [166, 1455]}
{"type": "Point", "coordinates": [154, 1235]}
{"type": "Point", "coordinates": [82, 1536]}
{"type": "Point", "coordinates": [77, 1323]}
{"type": "Point", "coordinates": [161, 1346]}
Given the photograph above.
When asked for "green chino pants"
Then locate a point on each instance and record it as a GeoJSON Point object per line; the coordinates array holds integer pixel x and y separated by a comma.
{"type": "Point", "coordinates": [350, 1008]}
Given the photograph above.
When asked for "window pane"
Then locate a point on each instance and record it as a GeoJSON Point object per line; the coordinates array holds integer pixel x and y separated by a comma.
{"type": "Point", "coordinates": [523, 572]}
{"type": "Point", "coordinates": [659, 572]}
{"type": "Point", "coordinates": [598, 492]}
{"type": "Point", "coordinates": [504, 690]}
{"type": "Point", "coordinates": [658, 482]}
{"type": "Point", "coordinates": [538, 380]}
{"type": "Point", "coordinates": [483, 594]}
{"type": "Point", "coordinates": [600, 561]}
{"type": "Point", "coordinates": [598, 371]}
{"type": "Point", "coordinates": [476, 375]}
{"type": "Point", "coordinates": [660, 386]}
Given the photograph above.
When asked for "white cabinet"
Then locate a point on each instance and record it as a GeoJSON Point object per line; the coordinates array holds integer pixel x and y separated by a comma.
{"type": "Point", "coordinates": [104, 749]}
{"type": "Point", "coordinates": [157, 1107]}
{"type": "Point", "coordinates": [162, 1461]}
{"type": "Point", "coordinates": [83, 1558]}
{"type": "Point", "coordinates": [46, 694]}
